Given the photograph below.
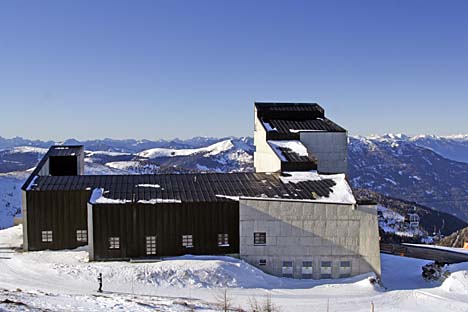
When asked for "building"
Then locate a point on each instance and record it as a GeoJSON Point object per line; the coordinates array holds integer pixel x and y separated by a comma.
{"type": "Point", "coordinates": [296, 216]}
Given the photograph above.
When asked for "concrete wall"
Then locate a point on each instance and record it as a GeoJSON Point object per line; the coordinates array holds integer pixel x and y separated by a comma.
{"type": "Point", "coordinates": [265, 159]}
{"type": "Point", "coordinates": [330, 149]}
{"type": "Point", "coordinates": [305, 231]}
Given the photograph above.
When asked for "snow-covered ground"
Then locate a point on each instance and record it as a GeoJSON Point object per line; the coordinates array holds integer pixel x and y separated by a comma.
{"type": "Point", "coordinates": [65, 280]}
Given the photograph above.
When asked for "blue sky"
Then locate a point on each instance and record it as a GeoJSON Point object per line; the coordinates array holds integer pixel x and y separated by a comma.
{"type": "Point", "coordinates": [165, 69]}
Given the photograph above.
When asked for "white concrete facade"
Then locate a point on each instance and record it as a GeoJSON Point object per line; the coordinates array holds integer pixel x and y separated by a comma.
{"type": "Point", "coordinates": [265, 159]}
{"type": "Point", "coordinates": [330, 149]}
{"type": "Point", "coordinates": [346, 237]}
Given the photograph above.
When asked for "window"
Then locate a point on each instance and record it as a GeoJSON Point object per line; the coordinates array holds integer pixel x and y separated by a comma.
{"type": "Point", "coordinates": [114, 242]}
{"type": "Point", "coordinates": [345, 269]}
{"type": "Point", "coordinates": [47, 236]}
{"type": "Point", "coordinates": [81, 235]}
{"type": "Point", "coordinates": [150, 245]}
{"type": "Point", "coordinates": [262, 262]}
{"type": "Point", "coordinates": [307, 269]}
{"type": "Point", "coordinates": [325, 269]}
{"type": "Point", "coordinates": [259, 238]}
{"type": "Point", "coordinates": [287, 269]}
{"type": "Point", "coordinates": [187, 241]}
{"type": "Point", "coordinates": [223, 240]}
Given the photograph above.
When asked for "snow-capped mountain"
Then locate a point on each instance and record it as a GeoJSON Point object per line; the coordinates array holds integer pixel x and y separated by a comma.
{"type": "Point", "coordinates": [420, 168]}
{"type": "Point", "coordinates": [395, 165]}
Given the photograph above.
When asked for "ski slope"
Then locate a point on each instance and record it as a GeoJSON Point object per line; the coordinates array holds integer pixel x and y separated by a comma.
{"type": "Point", "coordinates": [65, 280]}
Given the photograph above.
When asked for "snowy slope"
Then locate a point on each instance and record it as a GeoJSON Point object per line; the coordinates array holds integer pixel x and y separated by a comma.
{"type": "Point", "coordinates": [10, 197]}
{"type": "Point", "coordinates": [64, 280]}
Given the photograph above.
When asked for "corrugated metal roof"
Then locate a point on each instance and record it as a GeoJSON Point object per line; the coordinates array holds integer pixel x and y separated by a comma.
{"type": "Point", "coordinates": [285, 126]}
{"type": "Point", "coordinates": [200, 187]}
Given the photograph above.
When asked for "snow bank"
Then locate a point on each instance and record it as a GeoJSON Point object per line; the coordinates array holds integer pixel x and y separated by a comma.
{"type": "Point", "coordinates": [11, 237]}
{"type": "Point", "coordinates": [457, 282]}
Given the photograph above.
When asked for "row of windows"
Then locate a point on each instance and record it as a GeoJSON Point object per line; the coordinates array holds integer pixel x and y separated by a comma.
{"type": "Point", "coordinates": [48, 236]}
{"type": "Point", "coordinates": [307, 270]}
{"type": "Point", "coordinates": [114, 242]}
{"type": "Point", "coordinates": [187, 242]}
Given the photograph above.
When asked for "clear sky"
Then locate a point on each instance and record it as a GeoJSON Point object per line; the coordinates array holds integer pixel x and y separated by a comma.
{"type": "Point", "coordinates": [165, 69]}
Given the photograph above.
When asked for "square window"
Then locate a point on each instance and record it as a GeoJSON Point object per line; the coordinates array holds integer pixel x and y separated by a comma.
{"type": "Point", "coordinates": [262, 262]}
{"type": "Point", "coordinates": [187, 240]}
{"type": "Point", "coordinates": [114, 242]}
{"type": "Point", "coordinates": [259, 238]}
{"type": "Point", "coordinates": [81, 235]}
{"type": "Point", "coordinates": [47, 236]}
{"type": "Point", "coordinates": [150, 245]}
{"type": "Point", "coordinates": [287, 270]}
{"type": "Point", "coordinates": [345, 269]}
{"type": "Point", "coordinates": [223, 240]}
{"type": "Point", "coordinates": [345, 264]}
{"type": "Point", "coordinates": [307, 269]}
{"type": "Point", "coordinates": [325, 269]}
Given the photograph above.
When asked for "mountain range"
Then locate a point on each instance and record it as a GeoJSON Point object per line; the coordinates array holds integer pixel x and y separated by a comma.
{"type": "Point", "coordinates": [429, 170]}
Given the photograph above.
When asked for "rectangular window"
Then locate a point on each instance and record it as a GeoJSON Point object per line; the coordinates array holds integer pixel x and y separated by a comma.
{"type": "Point", "coordinates": [187, 241]}
{"type": "Point", "coordinates": [150, 245]}
{"type": "Point", "coordinates": [287, 270]}
{"type": "Point", "coordinates": [223, 240]}
{"type": "Point", "coordinates": [114, 242]}
{"type": "Point", "coordinates": [47, 236]}
{"type": "Point", "coordinates": [307, 270]}
{"type": "Point", "coordinates": [262, 262]}
{"type": "Point", "coordinates": [345, 269]}
{"type": "Point", "coordinates": [325, 269]}
{"type": "Point", "coordinates": [81, 235]}
{"type": "Point", "coordinates": [259, 238]}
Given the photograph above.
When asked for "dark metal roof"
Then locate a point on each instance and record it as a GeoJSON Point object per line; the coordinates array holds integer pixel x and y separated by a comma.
{"type": "Point", "coordinates": [201, 187]}
{"type": "Point", "coordinates": [322, 124]}
{"type": "Point", "coordinates": [55, 150]}
{"type": "Point", "coordinates": [284, 117]}
{"type": "Point", "coordinates": [289, 110]}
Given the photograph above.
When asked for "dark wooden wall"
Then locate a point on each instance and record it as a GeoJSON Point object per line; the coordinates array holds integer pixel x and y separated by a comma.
{"type": "Point", "coordinates": [62, 212]}
{"type": "Point", "coordinates": [168, 222]}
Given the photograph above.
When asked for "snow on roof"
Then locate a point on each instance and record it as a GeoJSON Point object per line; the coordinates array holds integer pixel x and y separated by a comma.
{"type": "Point", "coordinates": [149, 185]}
{"type": "Point", "coordinates": [293, 145]}
{"type": "Point", "coordinates": [97, 197]}
{"type": "Point", "coordinates": [340, 193]}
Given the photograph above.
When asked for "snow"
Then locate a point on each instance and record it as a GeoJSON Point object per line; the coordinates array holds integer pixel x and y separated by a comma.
{"type": "Point", "coordinates": [149, 185]}
{"type": "Point", "coordinates": [211, 150]}
{"type": "Point", "coordinates": [65, 280]}
{"type": "Point", "coordinates": [268, 127]}
{"type": "Point", "coordinates": [28, 149]}
{"type": "Point", "coordinates": [10, 197]}
{"type": "Point", "coordinates": [340, 193]}
{"type": "Point", "coordinates": [306, 130]}
{"type": "Point", "coordinates": [294, 145]}
{"type": "Point", "coordinates": [97, 197]}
